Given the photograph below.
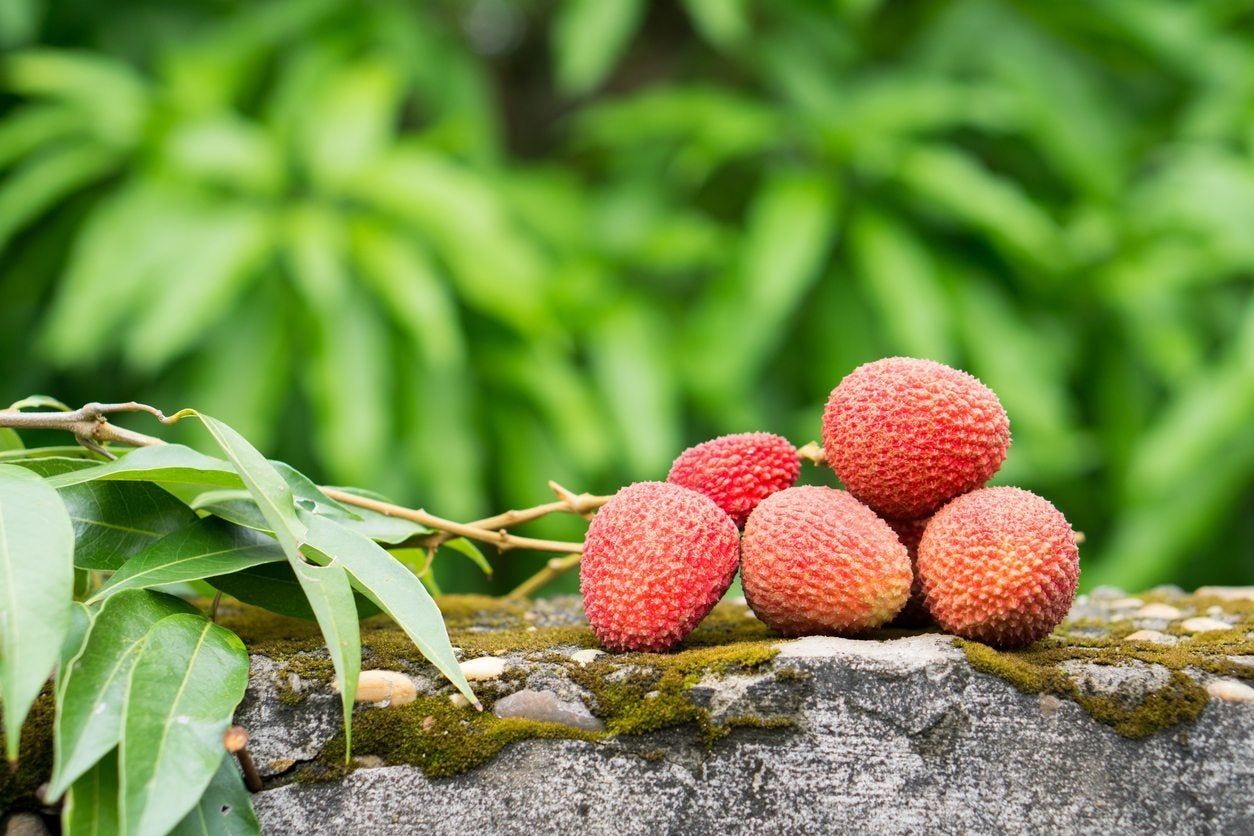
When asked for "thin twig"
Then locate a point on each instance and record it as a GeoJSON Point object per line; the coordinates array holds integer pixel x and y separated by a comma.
{"type": "Point", "coordinates": [236, 742]}
{"type": "Point", "coordinates": [553, 569]}
{"type": "Point", "coordinates": [89, 424]}
{"type": "Point", "coordinates": [812, 453]}
{"type": "Point", "coordinates": [502, 539]}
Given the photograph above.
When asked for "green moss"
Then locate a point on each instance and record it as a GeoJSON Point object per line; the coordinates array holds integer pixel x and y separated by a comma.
{"type": "Point", "coordinates": [1037, 669]}
{"type": "Point", "coordinates": [19, 783]}
{"type": "Point", "coordinates": [437, 736]}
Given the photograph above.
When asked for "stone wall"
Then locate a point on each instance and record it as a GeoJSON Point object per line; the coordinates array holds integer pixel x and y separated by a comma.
{"type": "Point", "coordinates": [1102, 728]}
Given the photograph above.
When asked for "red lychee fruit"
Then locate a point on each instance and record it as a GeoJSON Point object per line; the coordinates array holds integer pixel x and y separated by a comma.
{"type": "Point", "coordinates": [999, 565]}
{"type": "Point", "coordinates": [905, 436]}
{"type": "Point", "coordinates": [909, 532]}
{"type": "Point", "coordinates": [656, 560]}
{"type": "Point", "coordinates": [737, 471]}
{"type": "Point", "coordinates": [816, 560]}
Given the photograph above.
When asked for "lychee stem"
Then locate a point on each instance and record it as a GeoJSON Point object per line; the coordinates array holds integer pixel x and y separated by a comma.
{"type": "Point", "coordinates": [553, 569]}
{"type": "Point", "coordinates": [812, 453]}
{"type": "Point", "coordinates": [502, 539]}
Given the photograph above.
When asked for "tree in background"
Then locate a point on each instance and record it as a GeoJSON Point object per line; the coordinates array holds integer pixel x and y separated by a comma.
{"type": "Point", "coordinates": [453, 249]}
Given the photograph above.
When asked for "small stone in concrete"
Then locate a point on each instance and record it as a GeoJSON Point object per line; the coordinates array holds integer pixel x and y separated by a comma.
{"type": "Point", "coordinates": [1127, 604]}
{"type": "Point", "coordinates": [1228, 593]}
{"type": "Point", "coordinates": [1163, 611]}
{"type": "Point", "coordinates": [588, 654]}
{"type": "Point", "coordinates": [1150, 636]}
{"type": "Point", "coordinates": [484, 667]}
{"type": "Point", "coordinates": [545, 707]}
{"type": "Point", "coordinates": [1107, 593]}
{"type": "Point", "coordinates": [1049, 705]}
{"type": "Point", "coordinates": [385, 688]}
{"type": "Point", "coordinates": [459, 701]}
{"type": "Point", "coordinates": [1202, 624]}
{"type": "Point", "coordinates": [1230, 690]}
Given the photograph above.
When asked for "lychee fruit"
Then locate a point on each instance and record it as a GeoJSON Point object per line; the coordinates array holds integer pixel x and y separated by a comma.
{"type": "Point", "coordinates": [905, 436]}
{"type": "Point", "coordinates": [656, 560]}
{"type": "Point", "coordinates": [816, 560]}
{"type": "Point", "coordinates": [737, 471]}
{"type": "Point", "coordinates": [909, 532]}
{"type": "Point", "coordinates": [999, 565]}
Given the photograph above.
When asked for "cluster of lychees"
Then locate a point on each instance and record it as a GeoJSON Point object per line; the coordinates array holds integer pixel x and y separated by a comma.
{"type": "Point", "coordinates": [914, 537]}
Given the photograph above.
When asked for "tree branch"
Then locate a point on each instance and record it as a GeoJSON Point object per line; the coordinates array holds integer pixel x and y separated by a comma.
{"type": "Point", "coordinates": [502, 539]}
{"type": "Point", "coordinates": [552, 570]}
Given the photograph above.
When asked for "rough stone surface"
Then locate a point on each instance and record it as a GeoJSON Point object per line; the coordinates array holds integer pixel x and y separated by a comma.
{"type": "Point", "coordinates": [895, 734]}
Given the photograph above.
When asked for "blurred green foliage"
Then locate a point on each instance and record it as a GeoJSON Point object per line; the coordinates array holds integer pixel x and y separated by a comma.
{"type": "Point", "coordinates": [452, 250]}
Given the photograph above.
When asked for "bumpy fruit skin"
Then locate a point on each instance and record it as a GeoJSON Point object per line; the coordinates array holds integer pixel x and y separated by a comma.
{"type": "Point", "coordinates": [737, 471]}
{"type": "Point", "coordinates": [999, 565]}
{"type": "Point", "coordinates": [656, 560]}
{"type": "Point", "coordinates": [905, 436]}
{"type": "Point", "coordinates": [909, 532]}
{"type": "Point", "coordinates": [816, 560]}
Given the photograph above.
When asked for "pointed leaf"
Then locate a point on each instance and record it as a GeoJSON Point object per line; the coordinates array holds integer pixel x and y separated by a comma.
{"type": "Point", "coordinates": [327, 588]}
{"type": "Point", "coordinates": [205, 549]}
{"type": "Point", "coordinates": [394, 588]}
{"type": "Point", "coordinates": [168, 463]}
{"type": "Point", "coordinates": [89, 705]}
{"type": "Point", "coordinates": [464, 547]}
{"type": "Point", "coordinates": [275, 587]}
{"type": "Point", "coordinates": [36, 588]}
{"type": "Point", "coordinates": [589, 36]}
{"type": "Point", "coordinates": [186, 683]}
{"type": "Point", "coordinates": [91, 805]}
{"type": "Point", "coordinates": [10, 440]}
{"type": "Point", "coordinates": [225, 809]}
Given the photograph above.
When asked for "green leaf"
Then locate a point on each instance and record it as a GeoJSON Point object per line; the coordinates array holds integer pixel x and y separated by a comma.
{"type": "Point", "coordinates": [350, 119]}
{"type": "Point", "coordinates": [39, 402]}
{"type": "Point", "coordinates": [112, 520]}
{"type": "Point", "coordinates": [171, 464]}
{"type": "Point", "coordinates": [75, 638]}
{"type": "Point", "coordinates": [464, 547]}
{"type": "Point", "coordinates": [394, 589]}
{"type": "Point", "coordinates": [109, 92]}
{"type": "Point", "coordinates": [10, 440]}
{"type": "Point", "coordinates": [91, 805]}
{"type": "Point", "coordinates": [326, 587]}
{"type": "Point", "coordinates": [225, 809]}
{"type": "Point", "coordinates": [275, 587]}
{"type": "Point", "coordinates": [205, 549]}
{"type": "Point", "coordinates": [36, 588]}
{"type": "Point", "coordinates": [186, 683]}
{"type": "Point", "coordinates": [23, 131]}
{"type": "Point", "coordinates": [588, 38]}
{"type": "Point", "coordinates": [89, 706]}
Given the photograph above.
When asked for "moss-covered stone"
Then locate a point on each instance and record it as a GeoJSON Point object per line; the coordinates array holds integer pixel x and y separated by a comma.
{"type": "Point", "coordinates": [19, 782]}
{"type": "Point", "coordinates": [1039, 668]}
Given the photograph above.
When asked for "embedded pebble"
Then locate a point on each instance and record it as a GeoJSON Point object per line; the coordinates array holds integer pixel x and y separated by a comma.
{"type": "Point", "coordinates": [1229, 690]}
{"type": "Point", "coordinates": [1150, 636]}
{"type": "Point", "coordinates": [739, 600]}
{"type": "Point", "coordinates": [1164, 611]}
{"type": "Point", "coordinates": [428, 722]}
{"type": "Point", "coordinates": [1168, 589]}
{"type": "Point", "coordinates": [1049, 705]}
{"type": "Point", "coordinates": [484, 667]}
{"type": "Point", "coordinates": [368, 761]}
{"type": "Point", "coordinates": [1107, 593]}
{"type": "Point", "coordinates": [1126, 604]}
{"type": "Point", "coordinates": [25, 824]}
{"type": "Point", "coordinates": [458, 701]}
{"type": "Point", "coordinates": [1227, 593]}
{"type": "Point", "coordinates": [1202, 624]}
{"type": "Point", "coordinates": [385, 688]}
{"type": "Point", "coordinates": [588, 654]}
{"type": "Point", "coordinates": [653, 695]}
{"type": "Point", "coordinates": [545, 707]}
